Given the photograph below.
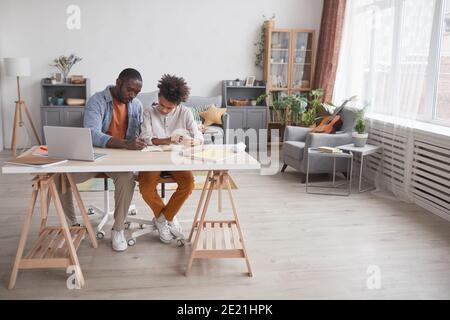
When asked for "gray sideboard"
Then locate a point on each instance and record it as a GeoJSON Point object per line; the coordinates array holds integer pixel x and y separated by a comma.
{"type": "Point", "coordinates": [245, 117]}
{"type": "Point", "coordinates": [62, 115]}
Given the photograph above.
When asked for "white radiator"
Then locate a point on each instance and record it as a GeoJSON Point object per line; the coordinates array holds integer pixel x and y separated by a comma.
{"type": "Point", "coordinates": [430, 180]}
{"type": "Point", "coordinates": [414, 163]}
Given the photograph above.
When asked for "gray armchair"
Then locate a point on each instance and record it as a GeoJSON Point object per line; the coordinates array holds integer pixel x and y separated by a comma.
{"type": "Point", "coordinates": [147, 98]}
{"type": "Point", "coordinates": [297, 140]}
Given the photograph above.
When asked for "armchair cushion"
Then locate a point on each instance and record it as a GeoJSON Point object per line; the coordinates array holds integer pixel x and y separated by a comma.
{"type": "Point", "coordinates": [213, 115]}
{"type": "Point", "coordinates": [296, 133]}
{"type": "Point", "coordinates": [329, 140]}
{"type": "Point", "coordinates": [196, 110]}
{"type": "Point", "coordinates": [294, 149]}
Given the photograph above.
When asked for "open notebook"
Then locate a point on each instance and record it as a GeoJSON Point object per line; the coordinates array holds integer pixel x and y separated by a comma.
{"type": "Point", "coordinates": [35, 161]}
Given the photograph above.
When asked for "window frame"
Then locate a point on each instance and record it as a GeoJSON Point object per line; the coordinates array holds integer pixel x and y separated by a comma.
{"type": "Point", "coordinates": [436, 51]}
{"type": "Point", "coordinates": [436, 45]}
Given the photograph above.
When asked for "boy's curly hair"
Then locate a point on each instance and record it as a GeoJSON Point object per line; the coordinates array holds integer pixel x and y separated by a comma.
{"type": "Point", "coordinates": [173, 88]}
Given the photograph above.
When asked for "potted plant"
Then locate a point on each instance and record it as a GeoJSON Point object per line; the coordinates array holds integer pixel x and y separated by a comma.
{"type": "Point", "coordinates": [280, 106]}
{"type": "Point", "coordinates": [260, 45]}
{"type": "Point", "coordinates": [297, 106]}
{"type": "Point", "coordinates": [59, 94]}
{"type": "Point", "coordinates": [261, 99]}
{"type": "Point", "coordinates": [360, 135]}
{"type": "Point", "coordinates": [64, 64]}
{"type": "Point", "coordinates": [309, 115]}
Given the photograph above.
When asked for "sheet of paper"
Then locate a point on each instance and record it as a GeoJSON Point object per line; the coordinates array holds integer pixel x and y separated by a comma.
{"type": "Point", "coordinates": [171, 147]}
{"type": "Point", "coordinates": [213, 153]}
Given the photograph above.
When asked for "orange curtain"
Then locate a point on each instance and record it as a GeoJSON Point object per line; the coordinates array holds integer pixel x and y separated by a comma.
{"type": "Point", "coordinates": [329, 45]}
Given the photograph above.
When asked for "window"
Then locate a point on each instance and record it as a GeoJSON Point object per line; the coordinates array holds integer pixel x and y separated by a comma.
{"type": "Point", "coordinates": [389, 58]}
{"type": "Point", "coordinates": [443, 90]}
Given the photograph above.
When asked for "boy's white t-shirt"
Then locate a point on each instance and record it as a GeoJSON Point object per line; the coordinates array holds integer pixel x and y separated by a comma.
{"type": "Point", "coordinates": [179, 121]}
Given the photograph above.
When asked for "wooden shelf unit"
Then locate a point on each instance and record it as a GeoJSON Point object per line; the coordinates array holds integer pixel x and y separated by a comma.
{"type": "Point", "coordinates": [289, 61]}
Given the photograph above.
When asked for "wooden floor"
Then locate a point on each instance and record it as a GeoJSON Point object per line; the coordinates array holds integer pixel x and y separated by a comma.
{"type": "Point", "coordinates": [301, 246]}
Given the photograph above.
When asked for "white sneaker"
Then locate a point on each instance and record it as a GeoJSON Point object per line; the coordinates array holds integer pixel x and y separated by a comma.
{"type": "Point", "coordinates": [119, 243]}
{"type": "Point", "coordinates": [163, 228]}
{"type": "Point", "coordinates": [175, 225]}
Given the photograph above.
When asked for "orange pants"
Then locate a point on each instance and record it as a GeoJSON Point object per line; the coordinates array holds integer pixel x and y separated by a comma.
{"type": "Point", "coordinates": [147, 186]}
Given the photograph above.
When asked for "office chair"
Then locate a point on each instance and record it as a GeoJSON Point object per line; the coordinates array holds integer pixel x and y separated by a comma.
{"type": "Point", "coordinates": [147, 226]}
{"type": "Point", "coordinates": [107, 212]}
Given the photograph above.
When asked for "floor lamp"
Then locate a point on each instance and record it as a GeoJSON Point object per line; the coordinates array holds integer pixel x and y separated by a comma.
{"type": "Point", "coordinates": [19, 67]}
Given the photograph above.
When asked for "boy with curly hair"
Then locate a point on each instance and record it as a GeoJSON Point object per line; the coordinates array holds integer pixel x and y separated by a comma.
{"type": "Point", "coordinates": [167, 122]}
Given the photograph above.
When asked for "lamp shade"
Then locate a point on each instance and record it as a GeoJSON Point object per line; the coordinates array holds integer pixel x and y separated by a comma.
{"type": "Point", "coordinates": [17, 67]}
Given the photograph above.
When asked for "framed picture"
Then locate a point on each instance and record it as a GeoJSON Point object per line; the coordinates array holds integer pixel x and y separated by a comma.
{"type": "Point", "coordinates": [250, 81]}
{"type": "Point", "coordinates": [57, 77]}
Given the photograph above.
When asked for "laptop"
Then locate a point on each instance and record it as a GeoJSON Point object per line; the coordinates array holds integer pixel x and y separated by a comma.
{"type": "Point", "coordinates": [70, 143]}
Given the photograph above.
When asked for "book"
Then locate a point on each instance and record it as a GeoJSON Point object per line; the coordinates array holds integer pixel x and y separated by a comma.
{"type": "Point", "coordinates": [35, 161]}
{"type": "Point", "coordinates": [329, 150]}
{"type": "Point", "coordinates": [40, 151]}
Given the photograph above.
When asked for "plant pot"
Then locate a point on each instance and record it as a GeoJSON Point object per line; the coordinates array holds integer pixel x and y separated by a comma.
{"type": "Point", "coordinates": [359, 139]}
{"type": "Point", "coordinates": [59, 101]}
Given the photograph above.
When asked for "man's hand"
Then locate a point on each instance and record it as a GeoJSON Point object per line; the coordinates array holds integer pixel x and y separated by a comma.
{"type": "Point", "coordinates": [136, 144]}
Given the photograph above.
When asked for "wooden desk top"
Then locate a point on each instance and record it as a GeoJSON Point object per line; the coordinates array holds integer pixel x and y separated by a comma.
{"type": "Point", "coordinates": [129, 160]}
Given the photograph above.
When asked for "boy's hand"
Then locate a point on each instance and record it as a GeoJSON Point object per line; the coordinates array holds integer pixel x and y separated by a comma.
{"type": "Point", "coordinates": [176, 138]}
{"type": "Point", "coordinates": [190, 142]}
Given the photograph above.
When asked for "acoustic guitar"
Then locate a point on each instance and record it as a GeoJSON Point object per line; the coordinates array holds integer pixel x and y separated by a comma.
{"type": "Point", "coordinates": [332, 123]}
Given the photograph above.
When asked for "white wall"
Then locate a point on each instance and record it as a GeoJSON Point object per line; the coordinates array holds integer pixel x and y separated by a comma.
{"type": "Point", "coordinates": [204, 41]}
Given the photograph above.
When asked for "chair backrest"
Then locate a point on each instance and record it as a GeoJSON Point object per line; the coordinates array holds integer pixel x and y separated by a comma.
{"type": "Point", "coordinates": [348, 117]}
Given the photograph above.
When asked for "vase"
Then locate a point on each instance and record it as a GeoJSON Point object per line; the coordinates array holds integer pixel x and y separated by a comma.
{"type": "Point", "coordinates": [359, 139]}
{"type": "Point", "coordinates": [65, 75]}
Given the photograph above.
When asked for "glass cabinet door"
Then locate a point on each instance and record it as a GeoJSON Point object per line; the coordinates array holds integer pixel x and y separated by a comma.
{"type": "Point", "coordinates": [302, 61]}
{"type": "Point", "coordinates": [279, 60]}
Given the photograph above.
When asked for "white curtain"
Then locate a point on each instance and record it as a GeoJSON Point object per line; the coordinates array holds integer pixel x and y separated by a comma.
{"type": "Point", "coordinates": [385, 56]}
{"type": "Point", "coordinates": [387, 60]}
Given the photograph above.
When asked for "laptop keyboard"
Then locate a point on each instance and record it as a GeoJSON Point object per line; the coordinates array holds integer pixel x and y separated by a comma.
{"type": "Point", "coordinates": [98, 155]}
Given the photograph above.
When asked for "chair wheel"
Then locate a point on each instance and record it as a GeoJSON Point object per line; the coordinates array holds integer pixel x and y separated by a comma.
{"type": "Point", "coordinates": [180, 242]}
{"type": "Point", "coordinates": [141, 226]}
{"type": "Point", "coordinates": [131, 242]}
{"type": "Point", "coordinates": [100, 235]}
{"type": "Point", "coordinates": [133, 212]}
{"type": "Point", "coordinates": [127, 225]}
{"type": "Point", "coordinates": [90, 211]}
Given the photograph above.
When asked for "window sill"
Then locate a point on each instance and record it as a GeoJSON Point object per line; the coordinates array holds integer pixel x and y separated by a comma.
{"type": "Point", "coordinates": [413, 124]}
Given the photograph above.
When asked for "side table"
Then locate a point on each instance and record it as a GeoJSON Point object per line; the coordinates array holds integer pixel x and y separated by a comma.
{"type": "Point", "coordinates": [343, 155]}
{"type": "Point", "coordinates": [367, 150]}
